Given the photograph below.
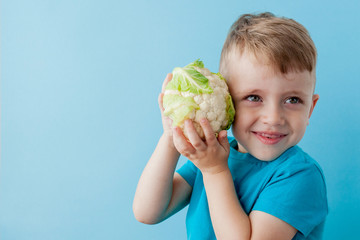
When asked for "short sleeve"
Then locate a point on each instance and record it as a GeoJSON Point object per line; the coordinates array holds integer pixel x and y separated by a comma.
{"type": "Point", "coordinates": [188, 172]}
{"type": "Point", "coordinates": [296, 196]}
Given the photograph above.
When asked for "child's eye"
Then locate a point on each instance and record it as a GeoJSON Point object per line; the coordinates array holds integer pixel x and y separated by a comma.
{"type": "Point", "coordinates": [253, 98]}
{"type": "Point", "coordinates": [293, 100]}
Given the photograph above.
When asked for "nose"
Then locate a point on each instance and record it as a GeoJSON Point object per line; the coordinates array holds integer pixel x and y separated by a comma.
{"type": "Point", "coordinates": [273, 115]}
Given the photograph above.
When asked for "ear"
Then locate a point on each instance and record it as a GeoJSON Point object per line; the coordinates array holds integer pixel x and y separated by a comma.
{"type": "Point", "coordinates": [315, 98]}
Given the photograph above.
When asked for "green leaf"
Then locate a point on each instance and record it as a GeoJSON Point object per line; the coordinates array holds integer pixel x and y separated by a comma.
{"type": "Point", "coordinates": [178, 108]}
{"type": "Point", "coordinates": [197, 63]}
{"type": "Point", "coordinates": [220, 76]}
{"type": "Point", "coordinates": [188, 79]}
{"type": "Point", "coordinates": [230, 111]}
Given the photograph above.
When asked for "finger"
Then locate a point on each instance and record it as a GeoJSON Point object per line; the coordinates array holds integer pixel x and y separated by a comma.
{"type": "Point", "coordinates": [181, 144]}
{"type": "Point", "coordinates": [223, 140]}
{"type": "Point", "coordinates": [166, 81]}
{"type": "Point", "coordinates": [193, 136]}
{"type": "Point", "coordinates": [208, 131]}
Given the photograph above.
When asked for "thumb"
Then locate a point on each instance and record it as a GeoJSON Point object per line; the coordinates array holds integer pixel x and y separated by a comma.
{"type": "Point", "coordinates": [223, 140]}
{"type": "Point", "coordinates": [160, 102]}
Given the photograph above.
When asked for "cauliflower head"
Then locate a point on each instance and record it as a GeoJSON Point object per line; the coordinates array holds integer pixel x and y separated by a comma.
{"type": "Point", "coordinates": [195, 93]}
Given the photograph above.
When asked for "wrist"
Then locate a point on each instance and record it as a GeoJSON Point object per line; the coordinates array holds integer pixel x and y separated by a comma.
{"type": "Point", "coordinates": [216, 172]}
{"type": "Point", "coordinates": [218, 181]}
{"type": "Point", "coordinates": [168, 141]}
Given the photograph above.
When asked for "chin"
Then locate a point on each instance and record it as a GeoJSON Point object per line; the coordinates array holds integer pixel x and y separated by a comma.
{"type": "Point", "coordinates": [267, 155]}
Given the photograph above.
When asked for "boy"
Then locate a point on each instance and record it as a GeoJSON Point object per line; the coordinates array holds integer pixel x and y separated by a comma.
{"type": "Point", "coordinates": [259, 184]}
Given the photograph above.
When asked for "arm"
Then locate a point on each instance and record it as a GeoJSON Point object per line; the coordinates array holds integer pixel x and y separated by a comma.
{"type": "Point", "coordinates": [161, 193]}
{"type": "Point", "coordinates": [228, 218]}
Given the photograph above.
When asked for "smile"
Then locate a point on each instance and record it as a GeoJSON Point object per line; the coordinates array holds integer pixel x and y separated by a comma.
{"type": "Point", "coordinates": [269, 138]}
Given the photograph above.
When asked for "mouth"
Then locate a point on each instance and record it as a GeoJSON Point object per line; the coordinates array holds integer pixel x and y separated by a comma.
{"type": "Point", "coordinates": [269, 138]}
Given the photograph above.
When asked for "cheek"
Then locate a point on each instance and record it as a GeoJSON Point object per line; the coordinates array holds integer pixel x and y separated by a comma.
{"type": "Point", "coordinates": [298, 125]}
{"type": "Point", "coordinates": [243, 119]}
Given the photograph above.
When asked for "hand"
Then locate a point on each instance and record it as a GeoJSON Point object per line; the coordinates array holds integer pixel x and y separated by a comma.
{"type": "Point", "coordinates": [167, 122]}
{"type": "Point", "coordinates": [209, 155]}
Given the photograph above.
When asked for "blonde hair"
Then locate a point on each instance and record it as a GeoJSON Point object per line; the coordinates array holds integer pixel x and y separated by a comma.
{"type": "Point", "coordinates": [285, 43]}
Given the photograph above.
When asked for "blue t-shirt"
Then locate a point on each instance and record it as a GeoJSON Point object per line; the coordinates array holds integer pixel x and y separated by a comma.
{"type": "Point", "coordinates": [291, 188]}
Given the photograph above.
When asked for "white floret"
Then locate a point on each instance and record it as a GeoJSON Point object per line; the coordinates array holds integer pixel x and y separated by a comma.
{"type": "Point", "coordinates": [205, 106]}
{"type": "Point", "coordinates": [212, 106]}
{"type": "Point", "coordinates": [211, 116]}
{"type": "Point", "coordinates": [215, 125]}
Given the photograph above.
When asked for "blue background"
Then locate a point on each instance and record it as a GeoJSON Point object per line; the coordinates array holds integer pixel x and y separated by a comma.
{"type": "Point", "coordinates": [79, 114]}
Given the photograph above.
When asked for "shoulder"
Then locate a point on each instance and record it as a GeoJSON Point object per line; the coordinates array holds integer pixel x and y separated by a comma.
{"type": "Point", "coordinates": [296, 192]}
{"type": "Point", "coordinates": [296, 162]}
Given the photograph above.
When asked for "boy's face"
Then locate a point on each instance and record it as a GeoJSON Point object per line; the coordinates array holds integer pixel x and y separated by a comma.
{"type": "Point", "coordinates": [272, 109]}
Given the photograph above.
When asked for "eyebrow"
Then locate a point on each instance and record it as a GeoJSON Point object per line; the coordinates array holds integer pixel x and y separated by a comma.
{"type": "Point", "coordinates": [259, 91]}
{"type": "Point", "coordinates": [301, 93]}
{"type": "Point", "coordinates": [249, 91]}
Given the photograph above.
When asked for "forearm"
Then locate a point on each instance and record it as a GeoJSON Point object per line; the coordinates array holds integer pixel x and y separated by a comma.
{"type": "Point", "coordinates": [154, 189]}
{"type": "Point", "coordinates": [228, 218]}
